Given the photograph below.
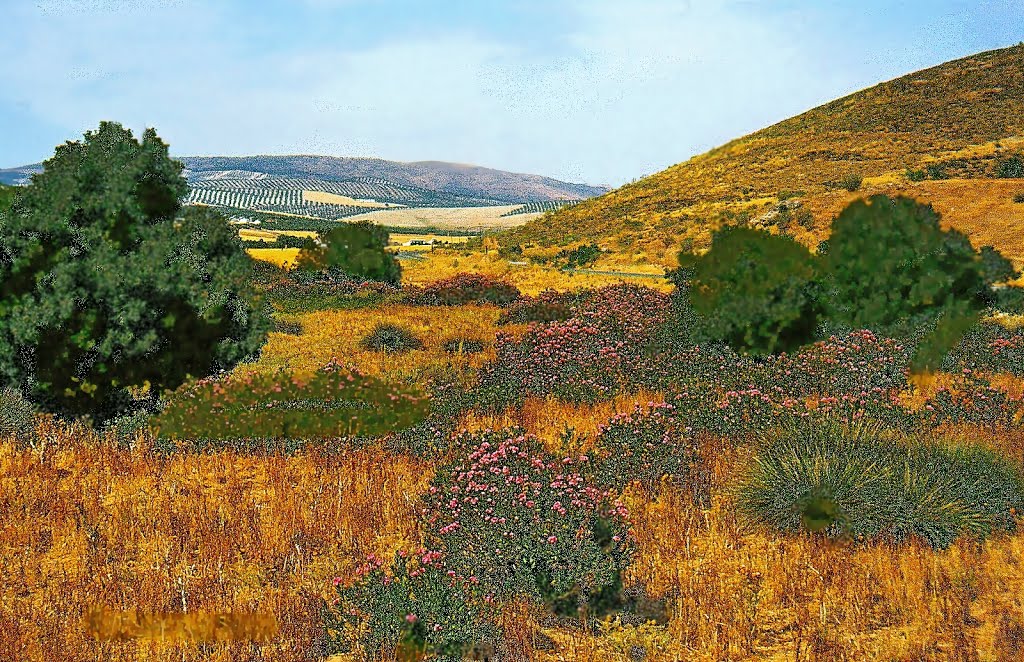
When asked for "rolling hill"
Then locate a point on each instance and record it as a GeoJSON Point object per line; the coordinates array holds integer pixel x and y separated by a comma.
{"type": "Point", "coordinates": [939, 135]}
{"type": "Point", "coordinates": [284, 190]}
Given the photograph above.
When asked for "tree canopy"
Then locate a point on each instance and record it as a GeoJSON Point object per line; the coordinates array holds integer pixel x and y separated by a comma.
{"type": "Point", "coordinates": [355, 249]}
{"type": "Point", "coordinates": [106, 286]}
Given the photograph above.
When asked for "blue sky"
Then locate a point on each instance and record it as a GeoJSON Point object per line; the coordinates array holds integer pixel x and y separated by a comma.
{"type": "Point", "coordinates": [592, 91]}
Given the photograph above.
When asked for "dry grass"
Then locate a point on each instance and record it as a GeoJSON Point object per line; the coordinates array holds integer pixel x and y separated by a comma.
{"type": "Point", "coordinates": [334, 199]}
{"type": "Point", "coordinates": [282, 257]}
{"type": "Point", "coordinates": [454, 218]}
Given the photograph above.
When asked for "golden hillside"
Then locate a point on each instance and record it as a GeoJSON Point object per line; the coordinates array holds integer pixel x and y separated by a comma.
{"type": "Point", "coordinates": [964, 117]}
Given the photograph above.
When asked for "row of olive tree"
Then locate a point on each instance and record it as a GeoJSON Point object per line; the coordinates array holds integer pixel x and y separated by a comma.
{"type": "Point", "coordinates": [887, 266]}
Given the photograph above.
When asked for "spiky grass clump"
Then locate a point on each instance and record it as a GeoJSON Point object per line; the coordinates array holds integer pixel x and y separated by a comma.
{"type": "Point", "coordinates": [17, 415]}
{"type": "Point", "coordinates": [867, 487]}
{"type": "Point", "coordinates": [390, 338]}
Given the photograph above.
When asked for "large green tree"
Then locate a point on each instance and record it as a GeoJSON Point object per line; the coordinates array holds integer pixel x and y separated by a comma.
{"type": "Point", "coordinates": [106, 285]}
{"type": "Point", "coordinates": [892, 269]}
{"type": "Point", "coordinates": [755, 291]}
{"type": "Point", "coordinates": [354, 249]}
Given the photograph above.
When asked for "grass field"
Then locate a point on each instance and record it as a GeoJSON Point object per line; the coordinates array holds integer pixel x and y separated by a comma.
{"type": "Point", "coordinates": [455, 218]}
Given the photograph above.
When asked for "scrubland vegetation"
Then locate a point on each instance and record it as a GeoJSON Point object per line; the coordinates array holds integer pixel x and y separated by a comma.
{"type": "Point", "coordinates": [785, 450]}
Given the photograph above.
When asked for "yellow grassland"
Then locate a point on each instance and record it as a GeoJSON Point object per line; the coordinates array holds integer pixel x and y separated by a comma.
{"type": "Point", "coordinates": [282, 257]}
{"type": "Point", "coordinates": [447, 218]}
{"type": "Point", "coordinates": [334, 199]}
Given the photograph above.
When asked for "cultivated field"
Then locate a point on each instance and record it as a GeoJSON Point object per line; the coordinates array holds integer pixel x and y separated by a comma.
{"type": "Point", "coordinates": [454, 218]}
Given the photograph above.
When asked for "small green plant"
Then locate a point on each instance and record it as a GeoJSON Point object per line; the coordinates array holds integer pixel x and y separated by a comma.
{"type": "Point", "coordinates": [390, 338]}
{"type": "Point", "coordinates": [851, 182]}
{"type": "Point", "coordinates": [1019, 198]}
{"type": "Point", "coordinates": [287, 327]}
{"type": "Point", "coordinates": [1011, 168]}
{"type": "Point", "coordinates": [463, 346]}
{"type": "Point", "coordinates": [936, 171]}
{"type": "Point", "coordinates": [581, 256]}
{"type": "Point", "coordinates": [17, 415]}
{"type": "Point", "coordinates": [916, 175]}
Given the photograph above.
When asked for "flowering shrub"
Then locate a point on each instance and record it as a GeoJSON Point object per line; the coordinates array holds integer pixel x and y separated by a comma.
{"type": "Point", "coordinates": [516, 520]}
{"type": "Point", "coordinates": [973, 400]}
{"type": "Point", "coordinates": [304, 291]}
{"type": "Point", "coordinates": [332, 402]}
{"type": "Point", "coordinates": [645, 445]}
{"type": "Point", "coordinates": [416, 607]}
{"type": "Point", "coordinates": [989, 346]}
{"type": "Point", "coordinates": [462, 289]}
{"type": "Point", "coordinates": [548, 306]}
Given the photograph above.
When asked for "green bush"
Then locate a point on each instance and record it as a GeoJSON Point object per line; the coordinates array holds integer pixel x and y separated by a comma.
{"type": "Point", "coordinates": [851, 182]}
{"type": "Point", "coordinates": [1019, 198]}
{"type": "Point", "coordinates": [755, 291]}
{"type": "Point", "coordinates": [936, 171]}
{"type": "Point", "coordinates": [462, 289]}
{"type": "Point", "coordinates": [916, 175]}
{"type": "Point", "coordinates": [890, 268]}
{"type": "Point", "coordinates": [390, 338]}
{"type": "Point", "coordinates": [106, 284]}
{"type": "Point", "coordinates": [1011, 168]}
{"type": "Point", "coordinates": [270, 409]}
{"type": "Point", "coordinates": [17, 415]}
{"type": "Point", "coordinates": [581, 256]}
{"type": "Point", "coordinates": [816, 479]}
{"type": "Point", "coordinates": [356, 249]}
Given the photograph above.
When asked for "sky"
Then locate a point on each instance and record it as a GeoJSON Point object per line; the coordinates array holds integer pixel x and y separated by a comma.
{"type": "Point", "coordinates": [594, 91]}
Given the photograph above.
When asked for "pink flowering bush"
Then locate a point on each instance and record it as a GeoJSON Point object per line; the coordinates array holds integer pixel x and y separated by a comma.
{"type": "Point", "coordinates": [991, 347]}
{"type": "Point", "coordinates": [461, 289]}
{"type": "Point", "coordinates": [548, 306]}
{"type": "Point", "coordinates": [516, 520]}
{"type": "Point", "coordinates": [646, 445]}
{"type": "Point", "coordinates": [417, 607]}
{"type": "Point", "coordinates": [973, 400]}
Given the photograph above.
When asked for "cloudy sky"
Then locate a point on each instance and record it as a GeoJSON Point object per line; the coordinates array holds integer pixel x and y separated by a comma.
{"type": "Point", "coordinates": [596, 91]}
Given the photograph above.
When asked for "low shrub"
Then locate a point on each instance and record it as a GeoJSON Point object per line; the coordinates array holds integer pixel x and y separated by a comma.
{"type": "Point", "coordinates": [581, 256]}
{"type": "Point", "coordinates": [274, 410]}
{"type": "Point", "coordinates": [415, 608]}
{"type": "Point", "coordinates": [463, 346]}
{"type": "Point", "coordinates": [972, 400]}
{"type": "Point", "coordinates": [548, 306]}
{"type": "Point", "coordinates": [1019, 198]}
{"type": "Point", "coordinates": [288, 327]}
{"type": "Point", "coordinates": [988, 346]}
{"type": "Point", "coordinates": [17, 415]}
{"type": "Point", "coordinates": [851, 182]}
{"type": "Point", "coordinates": [1011, 168]}
{"type": "Point", "coordinates": [916, 175]}
{"type": "Point", "coordinates": [390, 338]}
{"type": "Point", "coordinates": [817, 479]}
{"type": "Point", "coordinates": [647, 446]}
{"type": "Point", "coordinates": [522, 522]}
{"type": "Point", "coordinates": [462, 289]}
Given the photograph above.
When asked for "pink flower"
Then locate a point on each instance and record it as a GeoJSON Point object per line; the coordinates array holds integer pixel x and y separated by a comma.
{"type": "Point", "coordinates": [337, 580]}
{"type": "Point", "coordinates": [411, 618]}
{"type": "Point", "coordinates": [552, 540]}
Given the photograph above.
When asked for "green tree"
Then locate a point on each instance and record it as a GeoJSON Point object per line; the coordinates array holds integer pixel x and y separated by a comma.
{"type": "Point", "coordinates": [355, 249]}
{"type": "Point", "coordinates": [6, 197]}
{"type": "Point", "coordinates": [107, 288]}
{"type": "Point", "coordinates": [890, 268]}
{"type": "Point", "coordinates": [754, 291]}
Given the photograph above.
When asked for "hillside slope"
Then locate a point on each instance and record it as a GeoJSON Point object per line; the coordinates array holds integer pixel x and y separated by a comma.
{"type": "Point", "coordinates": [961, 118]}
{"type": "Point", "coordinates": [454, 179]}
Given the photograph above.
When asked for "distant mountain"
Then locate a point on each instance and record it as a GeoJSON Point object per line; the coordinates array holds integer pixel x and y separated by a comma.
{"type": "Point", "coordinates": [330, 188]}
{"type": "Point", "coordinates": [19, 176]}
{"type": "Point", "coordinates": [943, 136]}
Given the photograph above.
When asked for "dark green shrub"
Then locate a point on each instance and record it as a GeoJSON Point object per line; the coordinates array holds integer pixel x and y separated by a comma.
{"type": "Point", "coordinates": [890, 268]}
{"type": "Point", "coordinates": [125, 429]}
{"type": "Point", "coordinates": [463, 346]}
{"type": "Point", "coordinates": [106, 283]}
{"type": "Point", "coordinates": [17, 415]}
{"type": "Point", "coordinates": [1019, 198]}
{"type": "Point", "coordinates": [355, 249]}
{"type": "Point", "coordinates": [390, 338]}
{"type": "Point", "coordinates": [813, 478]}
{"type": "Point", "coordinates": [936, 171]}
{"type": "Point", "coordinates": [916, 175]}
{"type": "Point", "coordinates": [755, 291]}
{"type": "Point", "coordinates": [1011, 168]}
{"type": "Point", "coordinates": [851, 182]}
{"type": "Point", "coordinates": [413, 609]}
{"type": "Point", "coordinates": [581, 256]}
{"type": "Point", "coordinates": [513, 252]}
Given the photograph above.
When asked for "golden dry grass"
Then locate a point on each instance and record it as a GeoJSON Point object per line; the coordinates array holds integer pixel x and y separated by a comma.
{"type": "Point", "coordinates": [334, 199]}
{"type": "Point", "coordinates": [447, 218]}
{"type": "Point", "coordinates": [282, 257]}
